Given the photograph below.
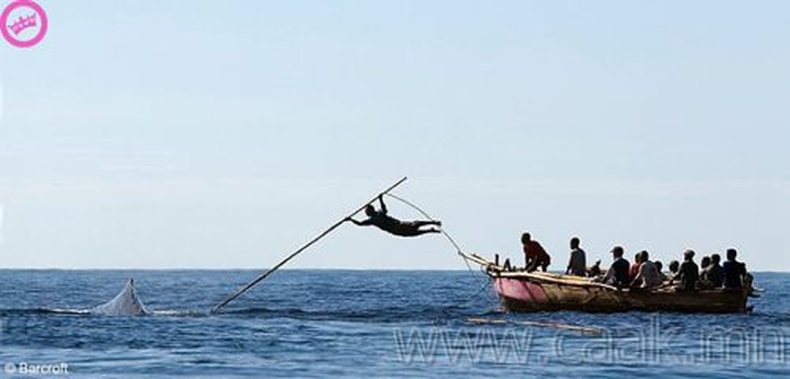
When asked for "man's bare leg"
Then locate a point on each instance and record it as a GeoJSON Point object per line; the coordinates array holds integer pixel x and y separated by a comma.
{"type": "Point", "coordinates": [420, 232]}
{"type": "Point", "coordinates": [424, 223]}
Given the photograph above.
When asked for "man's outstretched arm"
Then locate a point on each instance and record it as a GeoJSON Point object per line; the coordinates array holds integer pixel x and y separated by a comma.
{"type": "Point", "coordinates": [383, 206]}
{"type": "Point", "coordinates": [359, 223]}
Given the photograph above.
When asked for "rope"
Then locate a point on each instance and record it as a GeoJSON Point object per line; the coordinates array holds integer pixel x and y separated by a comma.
{"type": "Point", "coordinates": [486, 283]}
{"type": "Point", "coordinates": [404, 201]}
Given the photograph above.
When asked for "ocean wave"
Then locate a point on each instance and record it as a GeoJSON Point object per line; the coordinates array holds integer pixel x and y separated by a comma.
{"type": "Point", "coordinates": [42, 311]}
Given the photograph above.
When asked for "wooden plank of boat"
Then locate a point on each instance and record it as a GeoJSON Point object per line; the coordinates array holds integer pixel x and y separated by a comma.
{"type": "Point", "coordinates": [526, 295]}
{"type": "Point", "coordinates": [580, 282]}
{"type": "Point", "coordinates": [481, 261]}
{"type": "Point", "coordinates": [499, 271]}
{"type": "Point", "coordinates": [522, 291]}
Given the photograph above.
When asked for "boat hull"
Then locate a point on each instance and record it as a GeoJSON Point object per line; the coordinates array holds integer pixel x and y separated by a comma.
{"type": "Point", "coordinates": [533, 294]}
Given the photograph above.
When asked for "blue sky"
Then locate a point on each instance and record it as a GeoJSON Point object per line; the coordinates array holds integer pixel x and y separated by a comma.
{"type": "Point", "coordinates": [194, 134]}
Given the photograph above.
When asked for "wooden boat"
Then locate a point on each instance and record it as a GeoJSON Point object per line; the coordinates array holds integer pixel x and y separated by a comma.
{"type": "Point", "coordinates": [521, 291]}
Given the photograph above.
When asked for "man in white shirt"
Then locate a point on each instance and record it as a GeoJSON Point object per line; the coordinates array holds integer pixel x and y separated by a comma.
{"type": "Point", "coordinates": [647, 277]}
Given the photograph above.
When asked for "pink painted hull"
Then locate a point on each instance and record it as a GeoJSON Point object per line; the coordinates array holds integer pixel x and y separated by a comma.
{"type": "Point", "coordinates": [529, 295]}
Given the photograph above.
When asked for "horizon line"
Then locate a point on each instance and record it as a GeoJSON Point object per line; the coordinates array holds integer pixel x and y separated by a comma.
{"type": "Point", "coordinates": [282, 269]}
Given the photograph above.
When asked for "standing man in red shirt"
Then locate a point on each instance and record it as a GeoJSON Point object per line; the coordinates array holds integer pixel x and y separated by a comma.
{"type": "Point", "coordinates": [534, 254]}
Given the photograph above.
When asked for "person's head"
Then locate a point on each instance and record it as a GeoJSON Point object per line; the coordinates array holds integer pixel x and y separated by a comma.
{"type": "Point", "coordinates": [637, 256]}
{"type": "Point", "coordinates": [370, 210]}
{"type": "Point", "coordinates": [715, 259]}
{"type": "Point", "coordinates": [643, 256]}
{"type": "Point", "coordinates": [731, 254]}
{"type": "Point", "coordinates": [617, 252]}
{"type": "Point", "coordinates": [688, 255]}
{"type": "Point", "coordinates": [658, 265]}
{"type": "Point", "coordinates": [597, 263]}
{"type": "Point", "coordinates": [526, 238]}
{"type": "Point", "coordinates": [748, 280]}
{"type": "Point", "coordinates": [705, 262]}
{"type": "Point", "coordinates": [674, 266]}
{"type": "Point", "coordinates": [574, 243]}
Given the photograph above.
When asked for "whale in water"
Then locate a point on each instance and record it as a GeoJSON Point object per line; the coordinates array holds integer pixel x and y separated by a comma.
{"type": "Point", "coordinates": [126, 303]}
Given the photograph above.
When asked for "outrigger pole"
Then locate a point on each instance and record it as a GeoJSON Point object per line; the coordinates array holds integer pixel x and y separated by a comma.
{"type": "Point", "coordinates": [268, 272]}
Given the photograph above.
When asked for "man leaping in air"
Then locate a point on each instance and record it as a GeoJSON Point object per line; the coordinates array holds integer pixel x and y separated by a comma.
{"type": "Point", "coordinates": [392, 225]}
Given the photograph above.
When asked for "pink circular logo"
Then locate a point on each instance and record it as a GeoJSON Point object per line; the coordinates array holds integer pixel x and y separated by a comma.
{"type": "Point", "coordinates": [24, 23]}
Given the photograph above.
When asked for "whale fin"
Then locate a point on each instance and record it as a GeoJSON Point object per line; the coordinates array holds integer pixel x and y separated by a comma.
{"type": "Point", "coordinates": [125, 304]}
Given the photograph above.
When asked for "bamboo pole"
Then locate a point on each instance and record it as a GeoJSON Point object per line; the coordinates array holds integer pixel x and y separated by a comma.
{"type": "Point", "coordinates": [268, 272]}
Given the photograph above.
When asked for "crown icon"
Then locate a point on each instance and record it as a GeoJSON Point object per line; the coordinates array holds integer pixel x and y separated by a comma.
{"type": "Point", "coordinates": [23, 23]}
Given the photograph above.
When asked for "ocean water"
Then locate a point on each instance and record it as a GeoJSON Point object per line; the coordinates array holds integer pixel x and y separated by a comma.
{"type": "Point", "coordinates": [337, 323]}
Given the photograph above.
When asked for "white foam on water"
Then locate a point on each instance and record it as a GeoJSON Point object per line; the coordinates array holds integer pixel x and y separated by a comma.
{"type": "Point", "coordinates": [70, 311]}
{"type": "Point", "coordinates": [180, 313]}
{"type": "Point", "coordinates": [127, 303]}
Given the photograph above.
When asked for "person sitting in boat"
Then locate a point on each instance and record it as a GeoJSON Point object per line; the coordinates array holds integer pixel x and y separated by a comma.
{"type": "Point", "coordinates": [647, 276]}
{"type": "Point", "coordinates": [714, 273]}
{"type": "Point", "coordinates": [595, 270]}
{"type": "Point", "coordinates": [577, 265]}
{"type": "Point", "coordinates": [534, 254]}
{"type": "Point", "coordinates": [659, 267]}
{"type": "Point", "coordinates": [711, 273]}
{"type": "Point", "coordinates": [617, 275]}
{"type": "Point", "coordinates": [748, 284]}
{"type": "Point", "coordinates": [674, 266]}
{"type": "Point", "coordinates": [703, 282]}
{"type": "Point", "coordinates": [703, 264]}
{"type": "Point", "coordinates": [392, 225]}
{"type": "Point", "coordinates": [634, 268]}
{"type": "Point", "coordinates": [688, 273]}
{"type": "Point", "coordinates": [734, 271]}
